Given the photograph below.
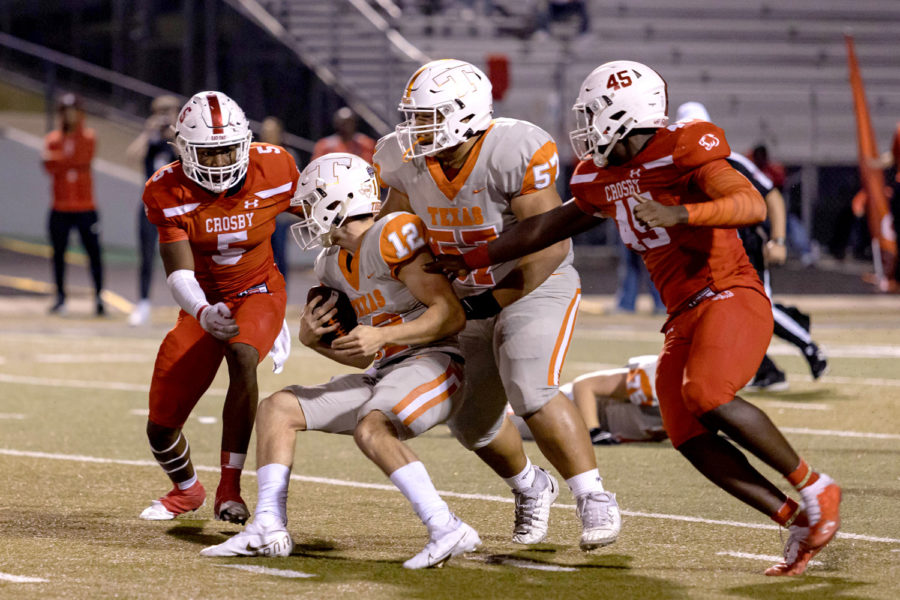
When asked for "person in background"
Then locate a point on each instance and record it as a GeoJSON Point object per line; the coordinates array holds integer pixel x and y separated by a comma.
{"type": "Point", "coordinates": [346, 138]}
{"type": "Point", "coordinates": [632, 275]}
{"type": "Point", "coordinates": [272, 132]}
{"type": "Point", "coordinates": [795, 231]}
{"type": "Point", "coordinates": [68, 153]}
{"type": "Point", "coordinates": [153, 147]}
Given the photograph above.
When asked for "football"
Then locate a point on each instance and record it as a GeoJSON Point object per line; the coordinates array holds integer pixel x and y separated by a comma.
{"type": "Point", "coordinates": [345, 317]}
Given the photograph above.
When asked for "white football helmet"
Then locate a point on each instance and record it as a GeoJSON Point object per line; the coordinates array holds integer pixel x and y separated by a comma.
{"type": "Point", "coordinates": [446, 102]}
{"type": "Point", "coordinates": [212, 120]}
{"type": "Point", "coordinates": [331, 189]}
{"type": "Point", "coordinates": [615, 98]}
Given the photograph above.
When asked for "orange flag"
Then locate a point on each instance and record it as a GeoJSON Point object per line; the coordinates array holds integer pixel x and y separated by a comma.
{"type": "Point", "coordinates": [881, 226]}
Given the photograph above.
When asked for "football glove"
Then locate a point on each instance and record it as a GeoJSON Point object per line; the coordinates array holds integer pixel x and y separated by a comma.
{"type": "Point", "coordinates": [216, 320]}
{"type": "Point", "coordinates": [480, 306]}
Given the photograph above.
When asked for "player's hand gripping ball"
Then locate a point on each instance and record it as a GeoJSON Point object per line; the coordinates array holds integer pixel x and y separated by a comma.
{"type": "Point", "coordinates": [345, 316]}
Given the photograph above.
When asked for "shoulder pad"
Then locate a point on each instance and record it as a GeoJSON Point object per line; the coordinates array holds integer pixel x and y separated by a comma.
{"type": "Point", "coordinates": [698, 143]}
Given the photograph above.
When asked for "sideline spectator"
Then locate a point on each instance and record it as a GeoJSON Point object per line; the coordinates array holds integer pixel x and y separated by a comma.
{"type": "Point", "coordinates": [68, 153]}
{"type": "Point", "coordinates": [153, 147]}
{"type": "Point", "coordinates": [632, 275]}
{"type": "Point", "coordinates": [346, 138]}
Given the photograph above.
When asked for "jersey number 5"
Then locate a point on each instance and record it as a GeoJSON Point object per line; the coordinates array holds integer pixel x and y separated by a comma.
{"type": "Point", "coordinates": [634, 235]}
{"type": "Point", "coordinates": [229, 255]}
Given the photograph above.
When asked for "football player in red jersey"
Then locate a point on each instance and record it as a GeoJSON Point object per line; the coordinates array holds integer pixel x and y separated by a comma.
{"type": "Point", "coordinates": [677, 202]}
{"type": "Point", "coordinates": [215, 211]}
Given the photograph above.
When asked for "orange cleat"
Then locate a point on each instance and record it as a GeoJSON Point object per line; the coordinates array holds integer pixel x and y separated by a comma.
{"type": "Point", "coordinates": [797, 554]}
{"type": "Point", "coordinates": [176, 502]}
{"type": "Point", "coordinates": [821, 503]}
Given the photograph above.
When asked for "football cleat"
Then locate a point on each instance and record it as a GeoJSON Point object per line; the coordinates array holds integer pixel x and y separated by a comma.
{"type": "Point", "coordinates": [797, 554]}
{"type": "Point", "coordinates": [174, 503]}
{"type": "Point", "coordinates": [140, 315]}
{"type": "Point", "coordinates": [818, 362]}
{"type": "Point", "coordinates": [600, 519]}
{"type": "Point", "coordinates": [772, 381]}
{"type": "Point", "coordinates": [255, 540]}
{"type": "Point", "coordinates": [232, 509]}
{"type": "Point", "coordinates": [444, 544]}
{"type": "Point", "coordinates": [821, 502]}
{"type": "Point", "coordinates": [533, 508]}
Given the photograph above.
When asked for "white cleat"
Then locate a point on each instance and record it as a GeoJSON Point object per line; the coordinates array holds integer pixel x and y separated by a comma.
{"type": "Point", "coordinates": [445, 544]}
{"type": "Point", "coordinates": [255, 540]}
{"type": "Point", "coordinates": [157, 512]}
{"type": "Point", "coordinates": [533, 508]}
{"type": "Point", "coordinates": [140, 315]}
{"type": "Point", "coordinates": [600, 519]}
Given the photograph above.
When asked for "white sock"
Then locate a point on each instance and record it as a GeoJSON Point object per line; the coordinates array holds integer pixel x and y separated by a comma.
{"type": "Point", "coordinates": [413, 481]}
{"type": "Point", "coordinates": [585, 483]}
{"type": "Point", "coordinates": [273, 480]}
{"type": "Point", "coordinates": [524, 480]}
{"type": "Point", "coordinates": [186, 484]}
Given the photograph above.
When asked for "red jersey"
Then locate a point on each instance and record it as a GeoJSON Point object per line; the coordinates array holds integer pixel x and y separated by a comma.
{"type": "Point", "coordinates": [229, 235]}
{"type": "Point", "coordinates": [67, 158]}
{"type": "Point", "coordinates": [681, 164]}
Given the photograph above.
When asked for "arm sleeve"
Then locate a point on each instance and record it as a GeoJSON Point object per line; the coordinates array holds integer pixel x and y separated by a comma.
{"type": "Point", "coordinates": [734, 201]}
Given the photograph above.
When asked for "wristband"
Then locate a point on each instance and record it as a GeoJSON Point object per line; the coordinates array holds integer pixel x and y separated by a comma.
{"type": "Point", "coordinates": [778, 241]}
{"type": "Point", "coordinates": [478, 257]}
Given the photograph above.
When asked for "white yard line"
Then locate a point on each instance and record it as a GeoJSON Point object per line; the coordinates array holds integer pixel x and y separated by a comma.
{"type": "Point", "coordinates": [793, 405]}
{"type": "Point", "coordinates": [12, 416]}
{"type": "Point", "coordinates": [269, 571]}
{"type": "Point", "coordinates": [840, 433]}
{"type": "Point", "coordinates": [94, 358]}
{"type": "Point", "coordinates": [78, 383]}
{"type": "Point", "coordinates": [21, 579]}
{"type": "Point", "coordinates": [445, 493]}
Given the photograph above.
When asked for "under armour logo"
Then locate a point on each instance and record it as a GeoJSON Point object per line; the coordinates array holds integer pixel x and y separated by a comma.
{"type": "Point", "coordinates": [634, 173]}
{"type": "Point", "coordinates": [709, 141]}
{"type": "Point", "coordinates": [248, 204]}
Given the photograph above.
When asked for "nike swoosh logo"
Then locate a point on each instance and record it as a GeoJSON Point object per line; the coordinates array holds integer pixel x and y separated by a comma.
{"type": "Point", "coordinates": [479, 190]}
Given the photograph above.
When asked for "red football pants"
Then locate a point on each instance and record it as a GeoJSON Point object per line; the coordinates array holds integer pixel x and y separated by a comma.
{"type": "Point", "coordinates": [189, 357]}
{"type": "Point", "coordinates": [710, 353]}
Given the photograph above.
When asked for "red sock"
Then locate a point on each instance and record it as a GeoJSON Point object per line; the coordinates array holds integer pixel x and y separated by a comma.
{"type": "Point", "coordinates": [802, 476]}
{"type": "Point", "coordinates": [232, 465]}
{"type": "Point", "coordinates": [788, 514]}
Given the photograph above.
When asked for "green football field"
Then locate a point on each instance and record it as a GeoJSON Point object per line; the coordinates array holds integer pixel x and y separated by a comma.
{"type": "Point", "coordinates": [76, 472]}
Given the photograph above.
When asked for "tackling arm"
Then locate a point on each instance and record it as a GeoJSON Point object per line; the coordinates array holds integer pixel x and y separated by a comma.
{"type": "Point", "coordinates": [532, 234]}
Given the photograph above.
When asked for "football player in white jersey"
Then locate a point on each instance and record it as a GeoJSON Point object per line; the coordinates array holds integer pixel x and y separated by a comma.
{"type": "Point", "coordinates": [617, 405]}
{"type": "Point", "coordinates": [408, 322]}
{"type": "Point", "coordinates": [469, 177]}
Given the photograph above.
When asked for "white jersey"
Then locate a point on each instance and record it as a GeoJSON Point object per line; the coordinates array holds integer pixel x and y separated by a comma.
{"type": "Point", "coordinates": [512, 158]}
{"type": "Point", "coordinates": [369, 278]}
{"type": "Point", "coordinates": [640, 384]}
